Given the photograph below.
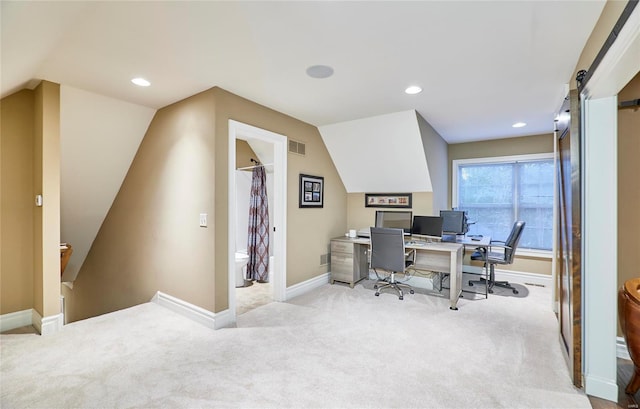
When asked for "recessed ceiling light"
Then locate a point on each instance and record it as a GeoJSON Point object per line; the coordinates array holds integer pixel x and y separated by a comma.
{"type": "Point", "coordinates": [319, 71]}
{"type": "Point", "coordinates": [141, 82]}
{"type": "Point", "coordinates": [519, 125]}
{"type": "Point", "coordinates": [414, 89]}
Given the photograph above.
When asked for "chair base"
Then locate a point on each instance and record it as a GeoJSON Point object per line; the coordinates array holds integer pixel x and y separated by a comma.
{"type": "Point", "coordinates": [390, 282]}
{"type": "Point", "coordinates": [490, 283]}
{"type": "Point", "coordinates": [396, 286]}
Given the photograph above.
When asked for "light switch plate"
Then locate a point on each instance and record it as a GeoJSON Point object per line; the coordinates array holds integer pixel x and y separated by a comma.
{"type": "Point", "coordinates": [203, 220]}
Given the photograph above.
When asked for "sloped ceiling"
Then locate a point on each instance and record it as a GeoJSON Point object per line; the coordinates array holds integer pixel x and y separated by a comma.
{"type": "Point", "coordinates": [379, 154]}
{"type": "Point", "coordinates": [483, 65]}
{"type": "Point", "coordinates": [99, 137]}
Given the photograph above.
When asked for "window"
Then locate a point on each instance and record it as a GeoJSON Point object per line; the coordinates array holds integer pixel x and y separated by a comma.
{"type": "Point", "coordinates": [496, 192]}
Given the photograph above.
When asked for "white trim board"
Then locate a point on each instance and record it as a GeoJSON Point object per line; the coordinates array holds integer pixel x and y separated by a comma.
{"type": "Point", "coordinates": [186, 309]}
{"type": "Point", "coordinates": [522, 277]}
{"type": "Point", "coordinates": [599, 190]}
{"type": "Point", "coordinates": [306, 286]}
{"type": "Point", "coordinates": [279, 149]}
{"type": "Point", "coordinates": [224, 318]}
{"type": "Point", "coordinates": [15, 320]}
{"type": "Point", "coordinates": [47, 325]}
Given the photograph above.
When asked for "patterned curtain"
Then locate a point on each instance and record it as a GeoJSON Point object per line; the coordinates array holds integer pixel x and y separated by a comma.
{"type": "Point", "coordinates": [258, 242]}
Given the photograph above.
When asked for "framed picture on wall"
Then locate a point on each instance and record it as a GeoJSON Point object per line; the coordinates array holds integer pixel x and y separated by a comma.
{"type": "Point", "coordinates": [397, 200]}
{"type": "Point", "coordinates": [311, 191]}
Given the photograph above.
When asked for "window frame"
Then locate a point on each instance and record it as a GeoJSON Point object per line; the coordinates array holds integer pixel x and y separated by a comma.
{"type": "Point", "coordinates": [455, 165]}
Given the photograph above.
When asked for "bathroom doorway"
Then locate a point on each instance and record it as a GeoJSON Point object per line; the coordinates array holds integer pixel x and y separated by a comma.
{"type": "Point", "coordinates": [271, 149]}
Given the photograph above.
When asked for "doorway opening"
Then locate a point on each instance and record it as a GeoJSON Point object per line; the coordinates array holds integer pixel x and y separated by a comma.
{"type": "Point", "coordinates": [272, 148]}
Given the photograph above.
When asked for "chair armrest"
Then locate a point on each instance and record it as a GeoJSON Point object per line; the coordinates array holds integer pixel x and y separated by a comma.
{"type": "Point", "coordinates": [498, 246]}
{"type": "Point", "coordinates": [409, 252]}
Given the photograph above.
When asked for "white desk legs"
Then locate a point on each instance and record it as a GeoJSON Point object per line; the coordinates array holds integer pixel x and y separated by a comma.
{"type": "Point", "coordinates": [455, 278]}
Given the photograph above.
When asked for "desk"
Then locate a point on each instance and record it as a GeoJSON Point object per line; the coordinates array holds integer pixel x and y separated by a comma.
{"type": "Point", "coordinates": [443, 257]}
{"type": "Point", "coordinates": [478, 242]}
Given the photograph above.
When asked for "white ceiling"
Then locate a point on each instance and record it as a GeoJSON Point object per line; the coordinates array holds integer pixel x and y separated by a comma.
{"type": "Point", "coordinates": [483, 65]}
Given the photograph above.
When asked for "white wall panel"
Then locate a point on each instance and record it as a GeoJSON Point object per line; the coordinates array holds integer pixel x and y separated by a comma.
{"type": "Point", "coordinates": [99, 138]}
{"type": "Point", "coordinates": [379, 154]}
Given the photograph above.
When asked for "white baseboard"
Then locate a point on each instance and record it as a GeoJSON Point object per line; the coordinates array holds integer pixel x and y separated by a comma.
{"type": "Point", "coordinates": [186, 309]}
{"type": "Point", "coordinates": [621, 349]}
{"type": "Point", "coordinates": [601, 387]}
{"type": "Point", "coordinates": [15, 320]}
{"type": "Point", "coordinates": [521, 277]}
{"type": "Point", "coordinates": [306, 286]}
{"type": "Point", "coordinates": [47, 325]}
{"type": "Point", "coordinates": [224, 319]}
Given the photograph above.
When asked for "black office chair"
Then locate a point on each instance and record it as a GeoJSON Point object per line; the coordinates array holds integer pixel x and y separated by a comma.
{"type": "Point", "coordinates": [388, 254]}
{"type": "Point", "coordinates": [500, 257]}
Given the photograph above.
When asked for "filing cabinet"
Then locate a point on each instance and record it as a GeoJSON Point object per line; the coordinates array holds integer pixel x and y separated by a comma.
{"type": "Point", "coordinates": [349, 262]}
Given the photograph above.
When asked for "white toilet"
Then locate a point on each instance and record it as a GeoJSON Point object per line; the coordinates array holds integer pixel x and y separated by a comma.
{"type": "Point", "coordinates": [242, 258]}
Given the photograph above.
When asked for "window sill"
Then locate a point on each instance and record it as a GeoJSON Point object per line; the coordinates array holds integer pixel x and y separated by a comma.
{"type": "Point", "coordinates": [545, 254]}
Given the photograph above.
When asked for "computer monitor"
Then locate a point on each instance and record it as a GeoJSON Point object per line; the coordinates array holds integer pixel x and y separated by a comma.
{"type": "Point", "coordinates": [454, 221]}
{"type": "Point", "coordinates": [429, 227]}
{"type": "Point", "coordinates": [394, 219]}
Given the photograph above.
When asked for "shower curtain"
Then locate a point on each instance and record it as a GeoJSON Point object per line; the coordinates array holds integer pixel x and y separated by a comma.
{"type": "Point", "coordinates": [258, 240]}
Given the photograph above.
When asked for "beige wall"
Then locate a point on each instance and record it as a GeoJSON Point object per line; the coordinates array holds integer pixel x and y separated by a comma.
{"type": "Point", "coordinates": [308, 230]}
{"type": "Point", "coordinates": [244, 154]}
{"type": "Point", "coordinates": [151, 240]}
{"type": "Point", "coordinates": [47, 183]}
{"type": "Point", "coordinates": [628, 184]}
{"type": "Point", "coordinates": [499, 147]}
{"type": "Point", "coordinates": [31, 235]}
{"type": "Point", "coordinates": [16, 211]}
{"type": "Point", "coordinates": [359, 216]}
{"type": "Point", "coordinates": [507, 147]}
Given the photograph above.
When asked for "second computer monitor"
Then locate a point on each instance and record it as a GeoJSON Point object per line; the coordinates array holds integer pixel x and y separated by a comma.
{"type": "Point", "coordinates": [453, 221]}
{"type": "Point", "coordinates": [429, 227]}
{"type": "Point", "coordinates": [394, 219]}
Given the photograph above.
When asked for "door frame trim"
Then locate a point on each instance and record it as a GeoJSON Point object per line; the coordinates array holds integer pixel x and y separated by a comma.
{"type": "Point", "coordinates": [239, 130]}
{"type": "Point", "coordinates": [599, 158]}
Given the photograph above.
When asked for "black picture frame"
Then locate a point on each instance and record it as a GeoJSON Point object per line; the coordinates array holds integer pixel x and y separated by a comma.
{"type": "Point", "coordinates": [311, 191]}
{"type": "Point", "coordinates": [388, 200]}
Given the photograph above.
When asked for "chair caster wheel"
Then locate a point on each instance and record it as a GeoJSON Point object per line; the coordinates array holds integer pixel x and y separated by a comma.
{"type": "Point", "coordinates": [411, 292]}
{"type": "Point", "coordinates": [515, 291]}
{"type": "Point", "coordinates": [490, 291]}
{"type": "Point", "coordinates": [375, 287]}
{"type": "Point", "coordinates": [470, 284]}
{"type": "Point", "coordinates": [401, 298]}
{"type": "Point", "coordinates": [377, 294]}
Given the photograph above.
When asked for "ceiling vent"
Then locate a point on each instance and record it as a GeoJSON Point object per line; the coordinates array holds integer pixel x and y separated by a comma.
{"type": "Point", "coordinates": [297, 147]}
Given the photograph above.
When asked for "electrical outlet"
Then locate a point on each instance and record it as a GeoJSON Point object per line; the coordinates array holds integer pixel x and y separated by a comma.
{"type": "Point", "coordinates": [203, 220]}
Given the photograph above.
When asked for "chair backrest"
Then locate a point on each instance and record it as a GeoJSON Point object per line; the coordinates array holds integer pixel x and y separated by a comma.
{"type": "Point", "coordinates": [387, 249]}
{"type": "Point", "coordinates": [512, 241]}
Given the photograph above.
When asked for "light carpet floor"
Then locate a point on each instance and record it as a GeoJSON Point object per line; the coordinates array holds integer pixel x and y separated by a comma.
{"type": "Point", "coordinates": [253, 296]}
{"type": "Point", "coordinates": [334, 347]}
